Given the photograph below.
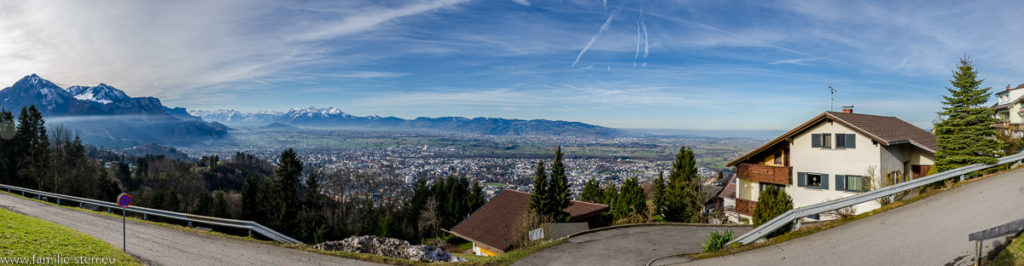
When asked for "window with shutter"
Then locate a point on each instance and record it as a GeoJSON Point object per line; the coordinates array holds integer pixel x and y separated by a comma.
{"type": "Point", "coordinates": [851, 141]}
{"type": "Point", "coordinates": [840, 141]}
{"type": "Point", "coordinates": [826, 140]}
{"type": "Point", "coordinates": [815, 140]}
{"type": "Point", "coordinates": [814, 180]}
{"type": "Point", "coordinates": [840, 182]}
{"type": "Point", "coordinates": [801, 179]}
{"type": "Point", "coordinates": [824, 181]}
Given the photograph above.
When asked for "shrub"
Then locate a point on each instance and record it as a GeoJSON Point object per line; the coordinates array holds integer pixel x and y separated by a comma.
{"type": "Point", "coordinates": [716, 242]}
{"type": "Point", "coordinates": [772, 203]}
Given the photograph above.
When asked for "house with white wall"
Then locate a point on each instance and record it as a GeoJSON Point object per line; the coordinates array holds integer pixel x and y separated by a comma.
{"type": "Point", "coordinates": [832, 156]}
{"type": "Point", "coordinates": [1009, 110]}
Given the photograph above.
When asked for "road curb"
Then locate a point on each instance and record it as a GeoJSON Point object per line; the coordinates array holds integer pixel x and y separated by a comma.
{"type": "Point", "coordinates": [653, 224]}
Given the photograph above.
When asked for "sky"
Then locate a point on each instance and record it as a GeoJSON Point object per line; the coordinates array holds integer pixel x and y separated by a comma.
{"type": "Point", "coordinates": [704, 65]}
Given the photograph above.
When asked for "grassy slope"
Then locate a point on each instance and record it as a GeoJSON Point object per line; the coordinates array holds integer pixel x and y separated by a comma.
{"type": "Point", "coordinates": [1013, 254]}
{"type": "Point", "coordinates": [23, 236]}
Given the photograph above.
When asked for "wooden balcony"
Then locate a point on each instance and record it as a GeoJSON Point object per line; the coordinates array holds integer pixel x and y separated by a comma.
{"type": "Point", "coordinates": [764, 174]}
{"type": "Point", "coordinates": [745, 207]}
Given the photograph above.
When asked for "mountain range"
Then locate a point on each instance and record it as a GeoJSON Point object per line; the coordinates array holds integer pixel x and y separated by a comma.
{"type": "Point", "coordinates": [332, 117]}
{"type": "Point", "coordinates": [106, 116]}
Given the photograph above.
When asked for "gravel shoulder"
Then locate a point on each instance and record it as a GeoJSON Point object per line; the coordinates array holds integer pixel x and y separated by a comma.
{"type": "Point", "coordinates": [156, 245]}
{"type": "Point", "coordinates": [931, 231]}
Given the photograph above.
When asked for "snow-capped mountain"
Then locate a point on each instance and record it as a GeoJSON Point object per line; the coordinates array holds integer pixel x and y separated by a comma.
{"type": "Point", "coordinates": [32, 89]}
{"type": "Point", "coordinates": [333, 117]}
{"type": "Point", "coordinates": [105, 115]}
{"type": "Point", "coordinates": [102, 93]}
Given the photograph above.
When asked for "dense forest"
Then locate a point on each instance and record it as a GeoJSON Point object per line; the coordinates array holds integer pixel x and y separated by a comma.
{"type": "Point", "coordinates": [309, 204]}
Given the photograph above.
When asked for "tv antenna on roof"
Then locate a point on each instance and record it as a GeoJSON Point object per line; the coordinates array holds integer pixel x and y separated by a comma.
{"type": "Point", "coordinates": [832, 98]}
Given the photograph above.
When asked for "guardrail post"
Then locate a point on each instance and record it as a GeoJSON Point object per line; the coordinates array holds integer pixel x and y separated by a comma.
{"type": "Point", "coordinates": [977, 253]}
{"type": "Point", "coordinates": [963, 177]}
{"type": "Point", "coordinates": [797, 227]}
{"type": "Point", "coordinates": [144, 217]}
{"type": "Point", "coordinates": [58, 201]}
{"type": "Point", "coordinates": [250, 232]}
{"type": "Point", "coordinates": [22, 193]}
{"type": "Point", "coordinates": [189, 223]}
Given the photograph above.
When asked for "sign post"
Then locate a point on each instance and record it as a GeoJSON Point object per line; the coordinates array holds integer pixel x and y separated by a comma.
{"type": "Point", "coordinates": [124, 200]}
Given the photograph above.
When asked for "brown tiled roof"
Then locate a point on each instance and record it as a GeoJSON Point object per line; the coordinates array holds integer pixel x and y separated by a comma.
{"type": "Point", "coordinates": [729, 191]}
{"type": "Point", "coordinates": [495, 223]}
{"type": "Point", "coordinates": [890, 130]}
{"type": "Point", "coordinates": [886, 130]}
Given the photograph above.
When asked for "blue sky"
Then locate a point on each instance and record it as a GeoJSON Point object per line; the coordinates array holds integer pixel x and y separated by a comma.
{"type": "Point", "coordinates": [737, 65]}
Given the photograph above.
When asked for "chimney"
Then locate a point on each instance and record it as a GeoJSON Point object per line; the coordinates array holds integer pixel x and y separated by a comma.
{"type": "Point", "coordinates": [847, 109]}
{"type": "Point", "coordinates": [1007, 86]}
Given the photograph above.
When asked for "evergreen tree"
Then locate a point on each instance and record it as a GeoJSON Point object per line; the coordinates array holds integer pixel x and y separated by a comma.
{"type": "Point", "coordinates": [611, 192]}
{"type": "Point", "coordinates": [312, 217]}
{"type": "Point", "coordinates": [32, 149]}
{"type": "Point", "coordinates": [286, 198]}
{"type": "Point", "coordinates": [631, 201]}
{"type": "Point", "coordinates": [476, 198]}
{"type": "Point", "coordinates": [683, 201]}
{"type": "Point", "coordinates": [965, 134]}
{"type": "Point", "coordinates": [204, 204]}
{"type": "Point", "coordinates": [252, 200]}
{"type": "Point", "coordinates": [772, 202]}
{"type": "Point", "coordinates": [538, 199]}
{"type": "Point", "coordinates": [171, 202]}
{"type": "Point", "coordinates": [659, 194]}
{"type": "Point", "coordinates": [591, 191]}
{"type": "Point", "coordinates": [219, 207]}
{"type": "Point", "coordinates": [560, 196]}
{"type": "Point", "coordinates": [8, 160]}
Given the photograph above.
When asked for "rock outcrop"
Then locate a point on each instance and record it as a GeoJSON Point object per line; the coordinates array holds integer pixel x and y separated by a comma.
{"type": "Point", "coordinates": [390, 247]}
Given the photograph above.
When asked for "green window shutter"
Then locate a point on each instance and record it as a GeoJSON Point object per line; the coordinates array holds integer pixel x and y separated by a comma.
{"type": "Point", "coordinates": [824, 181]}
{"type": "Point", "coordinates": [840, 141]}
{"type": "Point", "coordinates": [851, 141]}
{"type": "Point", "coordinates": [840, 182]}
{"type": "Point", "coordinates": [801, 179]}
{"type": "Point", "coordinates": [815, 140]}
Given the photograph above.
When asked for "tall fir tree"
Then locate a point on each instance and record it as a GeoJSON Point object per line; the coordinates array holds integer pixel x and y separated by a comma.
{"type": "Point", "coordinates": [286, 200]}
{"type": "Point", "coordinates": [312, 216]}
{"type": "Point", "coordinates": [8, 160]}
{"type": "Point", "coordinates": [560, 196]}
{"type": "Point", "coordinates": [966, 134]}
{"type": "Point", "coordinates": [631, 201]}
{"type": "Point", "coordinates": [659, 193]}
{"type": "Point", "coordinates": [682, 196]}
{"type": "Point", "coordinates": [252, 199]}
{"type": "Point", "coordinates": [538, 199]}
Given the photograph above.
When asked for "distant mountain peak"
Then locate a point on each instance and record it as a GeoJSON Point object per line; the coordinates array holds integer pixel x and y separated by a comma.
{"type": "Point", "coordinates": [101, 93]}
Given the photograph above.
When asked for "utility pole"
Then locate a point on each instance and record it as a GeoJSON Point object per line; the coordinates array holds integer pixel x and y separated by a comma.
{"type": "Point", "coordinates": [832, 98]}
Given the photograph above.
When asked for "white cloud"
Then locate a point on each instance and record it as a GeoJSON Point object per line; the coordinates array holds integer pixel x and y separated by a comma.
{"type": "Point", "coordinates": [522, 2]}
{"type": "Point", "coordinates": [178, 49]}
{"type": "Point", "coordinates": [369, 74]}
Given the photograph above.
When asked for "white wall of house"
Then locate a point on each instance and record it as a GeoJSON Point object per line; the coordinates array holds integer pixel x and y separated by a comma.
{"type": "Point", "coordinates": [1013, 115]}
{"type": "Point", "coordinates": [831, 161]}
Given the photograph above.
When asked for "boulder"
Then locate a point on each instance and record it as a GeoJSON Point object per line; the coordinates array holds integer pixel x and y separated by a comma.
{"type": "Point", "coordinates": [390, 247]}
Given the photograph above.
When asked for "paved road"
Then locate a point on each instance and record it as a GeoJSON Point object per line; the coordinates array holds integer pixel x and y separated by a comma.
{"type": "Point", "coordinates": [931, 231]}
{"type": "Point", "coordinates": [156, 245]}
{"type": "Point", "coordinates": [626, 246]}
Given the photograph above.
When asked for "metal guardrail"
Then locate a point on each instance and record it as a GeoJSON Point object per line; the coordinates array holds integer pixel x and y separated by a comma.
{"type": "Point", "coordinates": [191, 218]}
{"type": "Point", "coordinates": [795, 214]}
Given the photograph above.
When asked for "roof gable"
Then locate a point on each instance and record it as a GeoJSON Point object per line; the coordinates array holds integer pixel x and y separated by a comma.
{"type": "Point", "coordinates": [885, 130]}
